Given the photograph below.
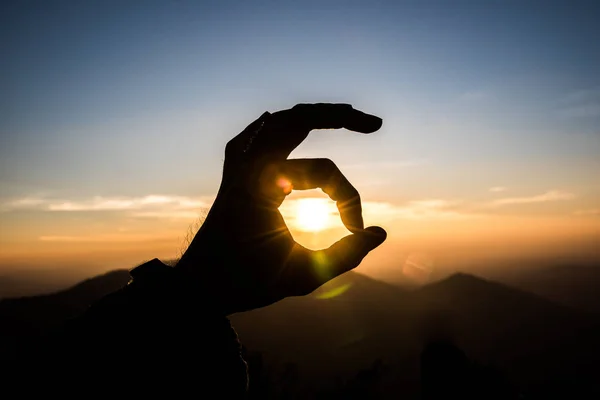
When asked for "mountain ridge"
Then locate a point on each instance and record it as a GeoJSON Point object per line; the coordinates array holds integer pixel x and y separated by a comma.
{"type": "Point", "coordinates": [353, 320]}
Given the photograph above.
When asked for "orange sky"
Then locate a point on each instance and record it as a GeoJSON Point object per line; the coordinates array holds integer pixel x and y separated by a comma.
{"type": "Point", "coordinates": [104, 234]}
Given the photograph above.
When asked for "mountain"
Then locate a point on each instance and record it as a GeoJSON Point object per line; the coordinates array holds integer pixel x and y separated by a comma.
{"type": "Point", "coordinates": [30, 316]}
{"type": "Point", "coordinates": [342, 316]}
{"type": "Point", "coordinates": [573, 285]}
{"type": "Point", "coordinates": [355, 323]}
{"type": "Point", "coordinates": [34, 282]}
{"type": "Point", "coordinates": [532, 339]}
{"type": "Point", "coordinates": [529, 336]}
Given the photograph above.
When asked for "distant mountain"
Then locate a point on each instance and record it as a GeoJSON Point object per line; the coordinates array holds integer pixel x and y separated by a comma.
{"type": "Point", "coordinates": [34, 282]}
{"type": "Point", "coordinates": [345, 314]}
{"type": "Point", "coordinates": [36, 314]}
{"type": "Point", "coordinates": [575, 285]}
{"type": "Point", "coordinates": [531, 338]}
{"type": "Point", "coordinates": [353, 321]}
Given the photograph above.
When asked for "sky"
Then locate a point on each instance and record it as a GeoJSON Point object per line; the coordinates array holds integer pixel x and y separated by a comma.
{"type": "Point", "coordinates": [114, 117]}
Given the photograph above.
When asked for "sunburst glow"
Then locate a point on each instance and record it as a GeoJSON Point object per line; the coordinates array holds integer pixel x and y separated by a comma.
{"type": "Point", "coordinates": [312, 215]}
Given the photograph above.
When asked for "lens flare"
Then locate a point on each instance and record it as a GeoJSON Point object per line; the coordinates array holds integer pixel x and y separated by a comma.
{"type": "Point", "coordinates": [285, 185]}
{"type": "Point", "coordinates": [418, 268]}
{"type": "Point", "coordinates": [335, 292]}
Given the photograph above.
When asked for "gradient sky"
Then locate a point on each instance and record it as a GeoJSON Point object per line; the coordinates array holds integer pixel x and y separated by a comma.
{"type": "Point", "coordinates": [114, 116]}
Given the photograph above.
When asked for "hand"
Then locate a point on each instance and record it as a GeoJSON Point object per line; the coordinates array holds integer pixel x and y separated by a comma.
{"type": "Point", "coordinates": [243, 256]}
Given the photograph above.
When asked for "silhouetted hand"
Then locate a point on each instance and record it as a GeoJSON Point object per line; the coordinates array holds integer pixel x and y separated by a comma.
{"type": "Point", "coordinates": [244, 256]}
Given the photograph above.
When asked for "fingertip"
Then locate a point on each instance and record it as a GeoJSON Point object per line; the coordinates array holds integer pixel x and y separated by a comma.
{"type": "Point", "coordinates": [348, 252]}
{"type": "Point", "coordinates": [365, 123]}
{"type": "Point", "coordinates": [377, 230]}
{"type": "Point", "coordinates": [377, 123]}
{"type": "Point", "coordinates": [376, 234]}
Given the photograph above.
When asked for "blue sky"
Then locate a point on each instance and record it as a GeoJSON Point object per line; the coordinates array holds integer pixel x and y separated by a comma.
{"type": "Point", "coordinates": [132, 99]}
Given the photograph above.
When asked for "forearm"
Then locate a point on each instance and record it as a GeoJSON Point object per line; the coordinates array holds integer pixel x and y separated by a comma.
{"type": "Point", "coordinates": [149, 334]}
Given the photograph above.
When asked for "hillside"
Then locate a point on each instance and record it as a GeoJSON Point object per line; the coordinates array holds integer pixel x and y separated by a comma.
{"type": "Point", "coordinates": [532, 338]}
{"type": "Point", "coordinates": [354, 321]}
{"type": "Point", "coordinates": [574, 285]}
{"type": "Point", "coordinates": [37, 314]}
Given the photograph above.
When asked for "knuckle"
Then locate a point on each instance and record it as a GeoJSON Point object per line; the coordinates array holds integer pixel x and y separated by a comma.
{"type": "Point", "coordinates": [229, 148]}
{"type": "Point", "coordinates": [354, 195]}
{"type": "Point", "coordinates": [328, 166]}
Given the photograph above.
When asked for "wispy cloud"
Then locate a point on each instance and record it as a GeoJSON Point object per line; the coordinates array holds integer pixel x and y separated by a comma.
{"type": "Point", "coordinates": [581, 104]}
{"type": "Point", "coordinates": [427, 209]}
{"type": "Point", "coordinates": [102, 238]}
{"type": "Point", "coordinates": [174, 214]}
{"type": "Point", "coordinates": [383, 212]}
{"type": "Point", "coordinates": [155, 206]}
{"type": "Point", "coordinates": [552, 195]}
{"type": "Point", "coordinates": [183, 207]}
{"type": "Point", "coordinates": [22, 203]}
{"type": "Point", "coordinates": [588, 212]}
{"type": "Point", "coordinates": [583, 95]}
{"type": "Point", "coordinates": [581, 111]}
{"type": "Point", "coordinates": [413, 162]}
{"type": "Point", "coordinates": [132, 203]}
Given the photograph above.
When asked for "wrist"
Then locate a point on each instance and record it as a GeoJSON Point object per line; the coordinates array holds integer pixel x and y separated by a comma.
{"type": "Point", "coordinates": [172, 289]}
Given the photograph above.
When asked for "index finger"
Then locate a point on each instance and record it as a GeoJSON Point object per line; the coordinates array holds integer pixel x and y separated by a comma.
{"type": "Point", "coordinates": [329, 116]}
{"type": "Point", "coordinates": [307, 173]}
{"type": "Point", "coordinates": [285, 130]}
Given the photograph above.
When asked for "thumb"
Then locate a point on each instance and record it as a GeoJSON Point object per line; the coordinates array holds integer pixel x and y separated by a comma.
{"type": "Point", "coordinates": [347, 253]}
{"type": "Point", "coordinates": [373, 236]}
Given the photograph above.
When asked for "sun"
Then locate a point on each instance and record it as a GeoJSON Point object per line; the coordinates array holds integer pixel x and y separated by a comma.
{"type": "Point", "coordinates": [312, 215]}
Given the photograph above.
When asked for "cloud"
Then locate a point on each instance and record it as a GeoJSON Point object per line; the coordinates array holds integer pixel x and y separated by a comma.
{"type": "Point", "coordinates": [428, 209]}
{"type": "Point", "coordinates": [553, 195]}
{"type": "Point", "coordinates": [411, 162]}
{"type": "Point", "coordinates": [182, 207]}
{"type": "Point", "coordinates": [382, 212]}
{"type": "Point", "coordinates": [581, 104]}
{"type": "Point", "coordinates": [593, 211]}
{"type": "Point", "coordinates": [23, 203]}
{"type": "Point", "coordinates": [154, 206]}
{"type": "Point", "coordinates": [102, 238]}
{"type": "Point", "coordinates": [583, 95]}
{"type": "Point", "coordinates": [132, 203]}
{"type": "Point", "coordinates": [581, 111]}
{"type": "Point", "coordinates": [432, 209]}
{"type": "Point", "coordinates": [175, 214]}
